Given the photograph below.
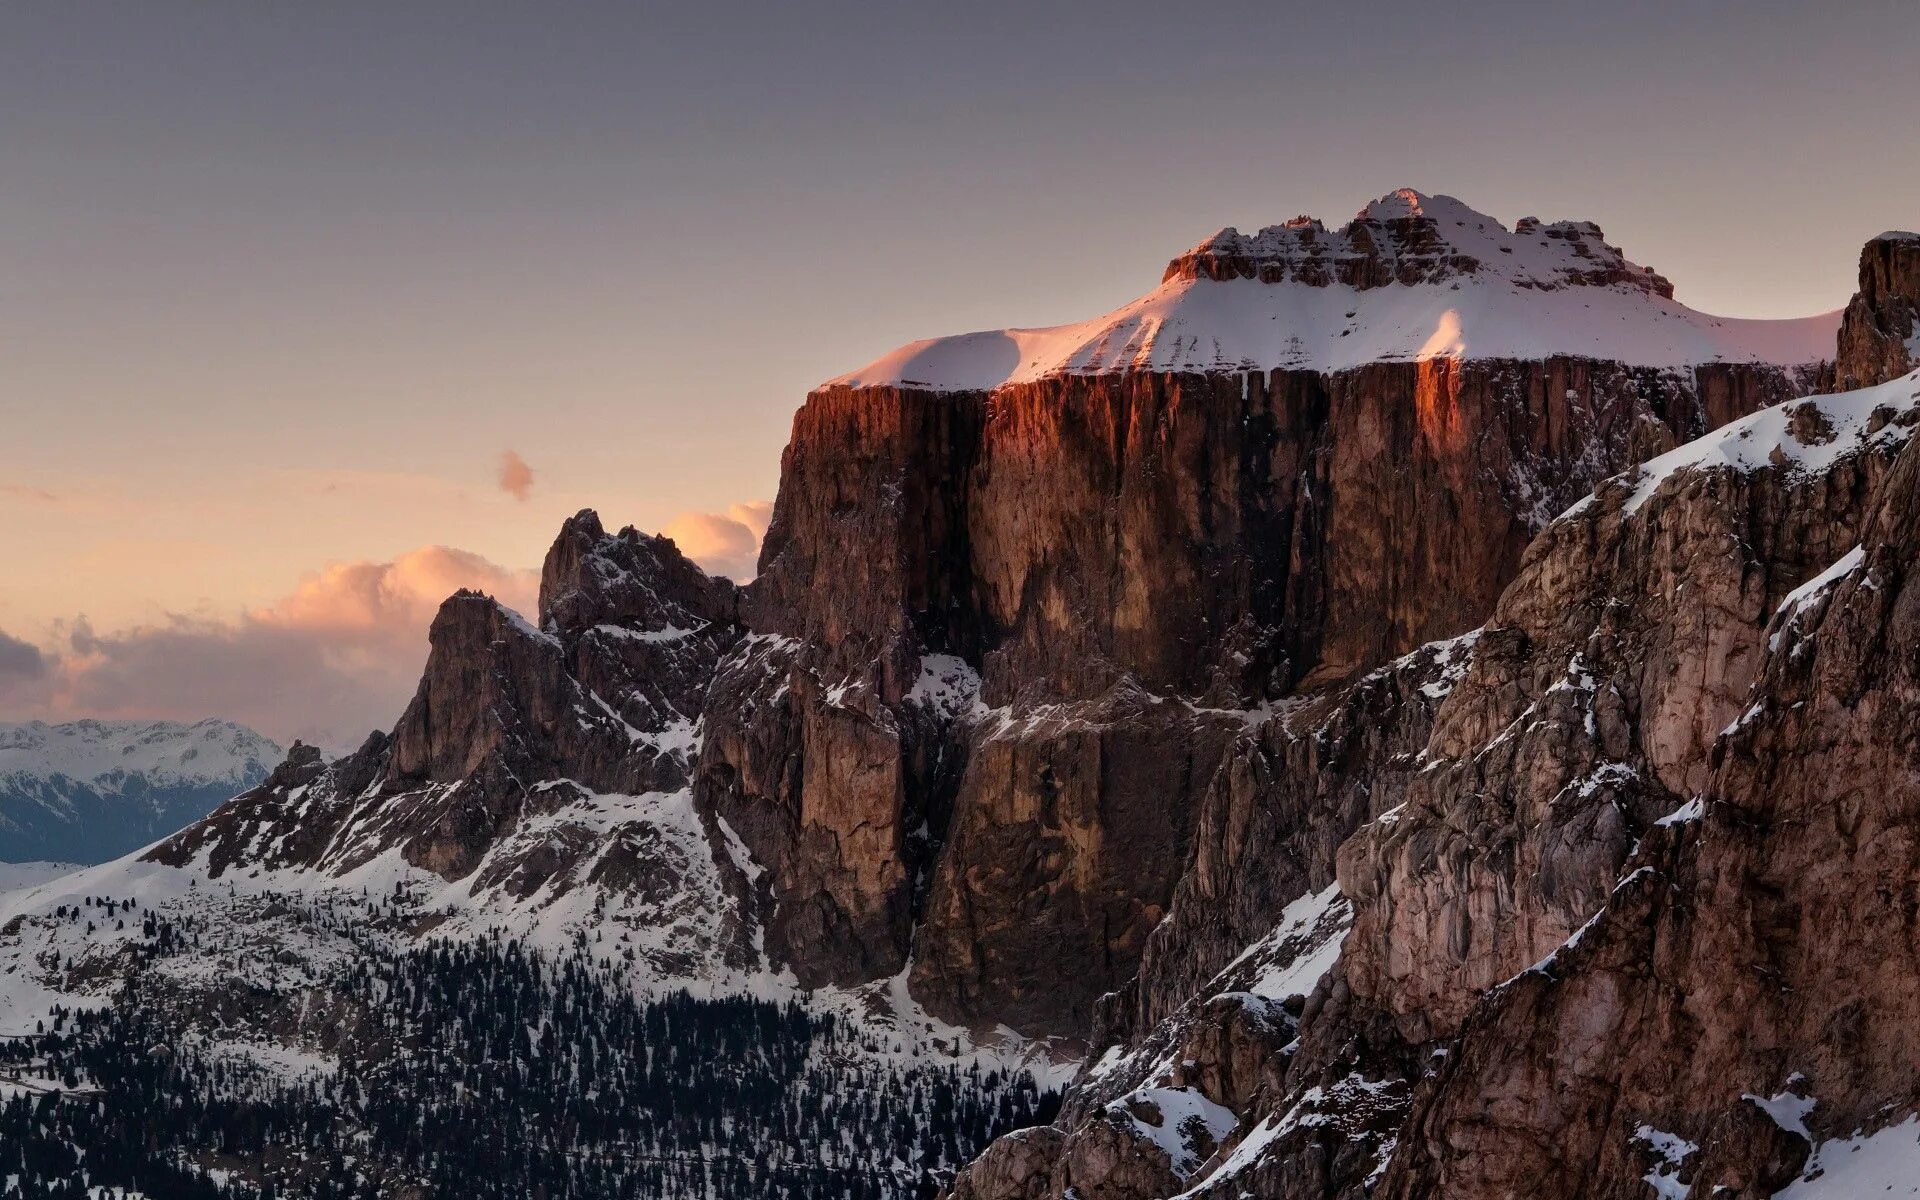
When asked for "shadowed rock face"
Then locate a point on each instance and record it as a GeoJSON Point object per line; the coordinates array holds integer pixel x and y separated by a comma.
{"type": "Point", "coordinates": [1762, 948]}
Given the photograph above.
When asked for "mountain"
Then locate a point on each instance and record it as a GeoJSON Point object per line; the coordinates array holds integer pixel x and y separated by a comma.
{"type": "Point", "coordinates": [1444, 859]}
{"type": "Point", "coordinates": [1412, 277]}
{"type": "Point", "coordinates": [1138, 535]}
{"type": "Point", "coordinates": [1264, 710]}
{"type": "Point", "coordinates": [513, 911]}
{"type": "Point", "coordinates": [89, 791]}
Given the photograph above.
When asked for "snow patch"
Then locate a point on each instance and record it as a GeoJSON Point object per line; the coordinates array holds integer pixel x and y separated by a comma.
{"type": "Point", "coordinates": [1184, 1115]}
{"type": "Point", "coordinates": [1692, 810]}
{"type": "Point", "coordinates": [1881, 1164]}
{"type": "Point", "coordinates": [1304, 945]}
{"type": "Point", "coordinates": [1788, 1111]}
{"type": "Point", "coordinates": [1672, 1151]}
{"type": "Point", "coordinates": [948, 686]}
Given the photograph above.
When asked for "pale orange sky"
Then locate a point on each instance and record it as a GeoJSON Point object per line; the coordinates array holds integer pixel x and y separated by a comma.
{"type": "Point", "coordinates": [280, 286]}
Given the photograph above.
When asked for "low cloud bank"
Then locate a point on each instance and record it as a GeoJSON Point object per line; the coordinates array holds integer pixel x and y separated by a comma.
{"type": "Point", "coordinates": [334, 659]}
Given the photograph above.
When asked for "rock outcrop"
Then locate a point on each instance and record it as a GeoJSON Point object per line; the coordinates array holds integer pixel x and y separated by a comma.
{"type": "Point", "coordinates": [1408, 238]}
{"type": "Point", "coordinates": [1880, 331]}
{"type": "Point", "coordinates": [491, 775]}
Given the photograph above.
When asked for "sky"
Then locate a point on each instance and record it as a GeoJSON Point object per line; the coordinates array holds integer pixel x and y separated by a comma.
{"type": "Point", "coordinates": [312, 312]}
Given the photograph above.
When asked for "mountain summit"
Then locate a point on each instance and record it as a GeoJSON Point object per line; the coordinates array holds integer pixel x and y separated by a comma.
{"type": "Point", "coordinates": [1411, 277]}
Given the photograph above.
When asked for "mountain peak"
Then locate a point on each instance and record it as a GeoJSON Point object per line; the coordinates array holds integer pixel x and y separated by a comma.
{"type": "Point", "coordinates": [1405, 203]}
{"type": "Point", "coordinates": [1409, 237]}
{"type": "Point", "coordinates": [1413, 276]}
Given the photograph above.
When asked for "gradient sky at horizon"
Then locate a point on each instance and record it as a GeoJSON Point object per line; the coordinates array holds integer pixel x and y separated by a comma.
{"type": "Point", "coordinates": [280, 284]}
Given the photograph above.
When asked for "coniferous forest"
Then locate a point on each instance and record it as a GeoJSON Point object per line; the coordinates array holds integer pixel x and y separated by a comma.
{"type": "Point", "coordinates": [481, 1069]}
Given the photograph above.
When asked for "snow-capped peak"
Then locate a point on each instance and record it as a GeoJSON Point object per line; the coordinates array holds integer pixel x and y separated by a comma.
{"type": "Point", "coordinates": [1400, 204]}
{"type": "Point", "coordinates": [1412, 277]}
{"type": "Point", "coordinates": [164, 753]}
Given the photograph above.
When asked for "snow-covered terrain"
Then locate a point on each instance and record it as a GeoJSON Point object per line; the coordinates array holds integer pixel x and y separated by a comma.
{"type": "Point", "coordinates": [665, 930]}
{"type": "Point", "coordinates": [1525, 300]}
{"type": "Point", "coordinates": [18, 877]}
{"type": "Point", "coordinates": [163, 753]}
{"type": "Point", "coordinates": [89, 790]}
{"type": "Point", "coordinates": [1881, 1164]}
{"type": "Point", "coordinates": [1805, 436]}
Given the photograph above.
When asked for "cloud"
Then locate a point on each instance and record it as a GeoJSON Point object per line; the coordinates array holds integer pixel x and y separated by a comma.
{"type": "Point", "coordinates": [723, 543]}
{"type": "Point", "coordinates": [21, 664]}
{"type": "Point", "coordinates": [20, 491]}
{"type": "Point", "coordinates": [516, 477]}
{"type": "Point", "coordinates": [338, 656]}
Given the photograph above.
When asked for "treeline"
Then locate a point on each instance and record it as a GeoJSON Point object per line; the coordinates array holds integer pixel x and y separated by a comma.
{"type": "Point", "coordinates": [478, 1070]}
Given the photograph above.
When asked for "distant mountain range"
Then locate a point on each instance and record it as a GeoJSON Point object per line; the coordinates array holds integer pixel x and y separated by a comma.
{"type": "Point", "coordinates": [89, 791]}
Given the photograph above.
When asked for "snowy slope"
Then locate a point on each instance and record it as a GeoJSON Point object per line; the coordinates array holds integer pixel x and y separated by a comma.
{"type": "Point", "coordinates": [163, 753]}
{"type": "Point", "coordinates": [1528, 295]}
{"type": "Point", "coordinates": [1806, 436]}
{"type": "Point", "coordinates": [18, 877]}
{"type": "Point", "coordinates": [1882, 1164]}
{"type": "Point", "coordinates": [647, 899]}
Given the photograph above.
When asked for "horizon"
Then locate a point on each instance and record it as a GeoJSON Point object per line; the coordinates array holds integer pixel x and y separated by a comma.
{"type": "Point", "coordinates": [318, 316]}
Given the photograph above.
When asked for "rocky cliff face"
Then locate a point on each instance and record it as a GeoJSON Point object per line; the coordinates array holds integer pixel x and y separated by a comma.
{"type": "Point", "coordinates": [1112, 557]}
{"type": "Point", "coordinates": [1742, 1003]}
{"type": "Point", "coordinates": [1880, 331]}
{"type": "Point", "coordinates": [1481, 819]}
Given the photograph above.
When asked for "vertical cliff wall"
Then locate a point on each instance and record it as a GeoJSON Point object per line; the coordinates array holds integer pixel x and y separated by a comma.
{"type": "Point", "coordinates": [1003, 639]}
